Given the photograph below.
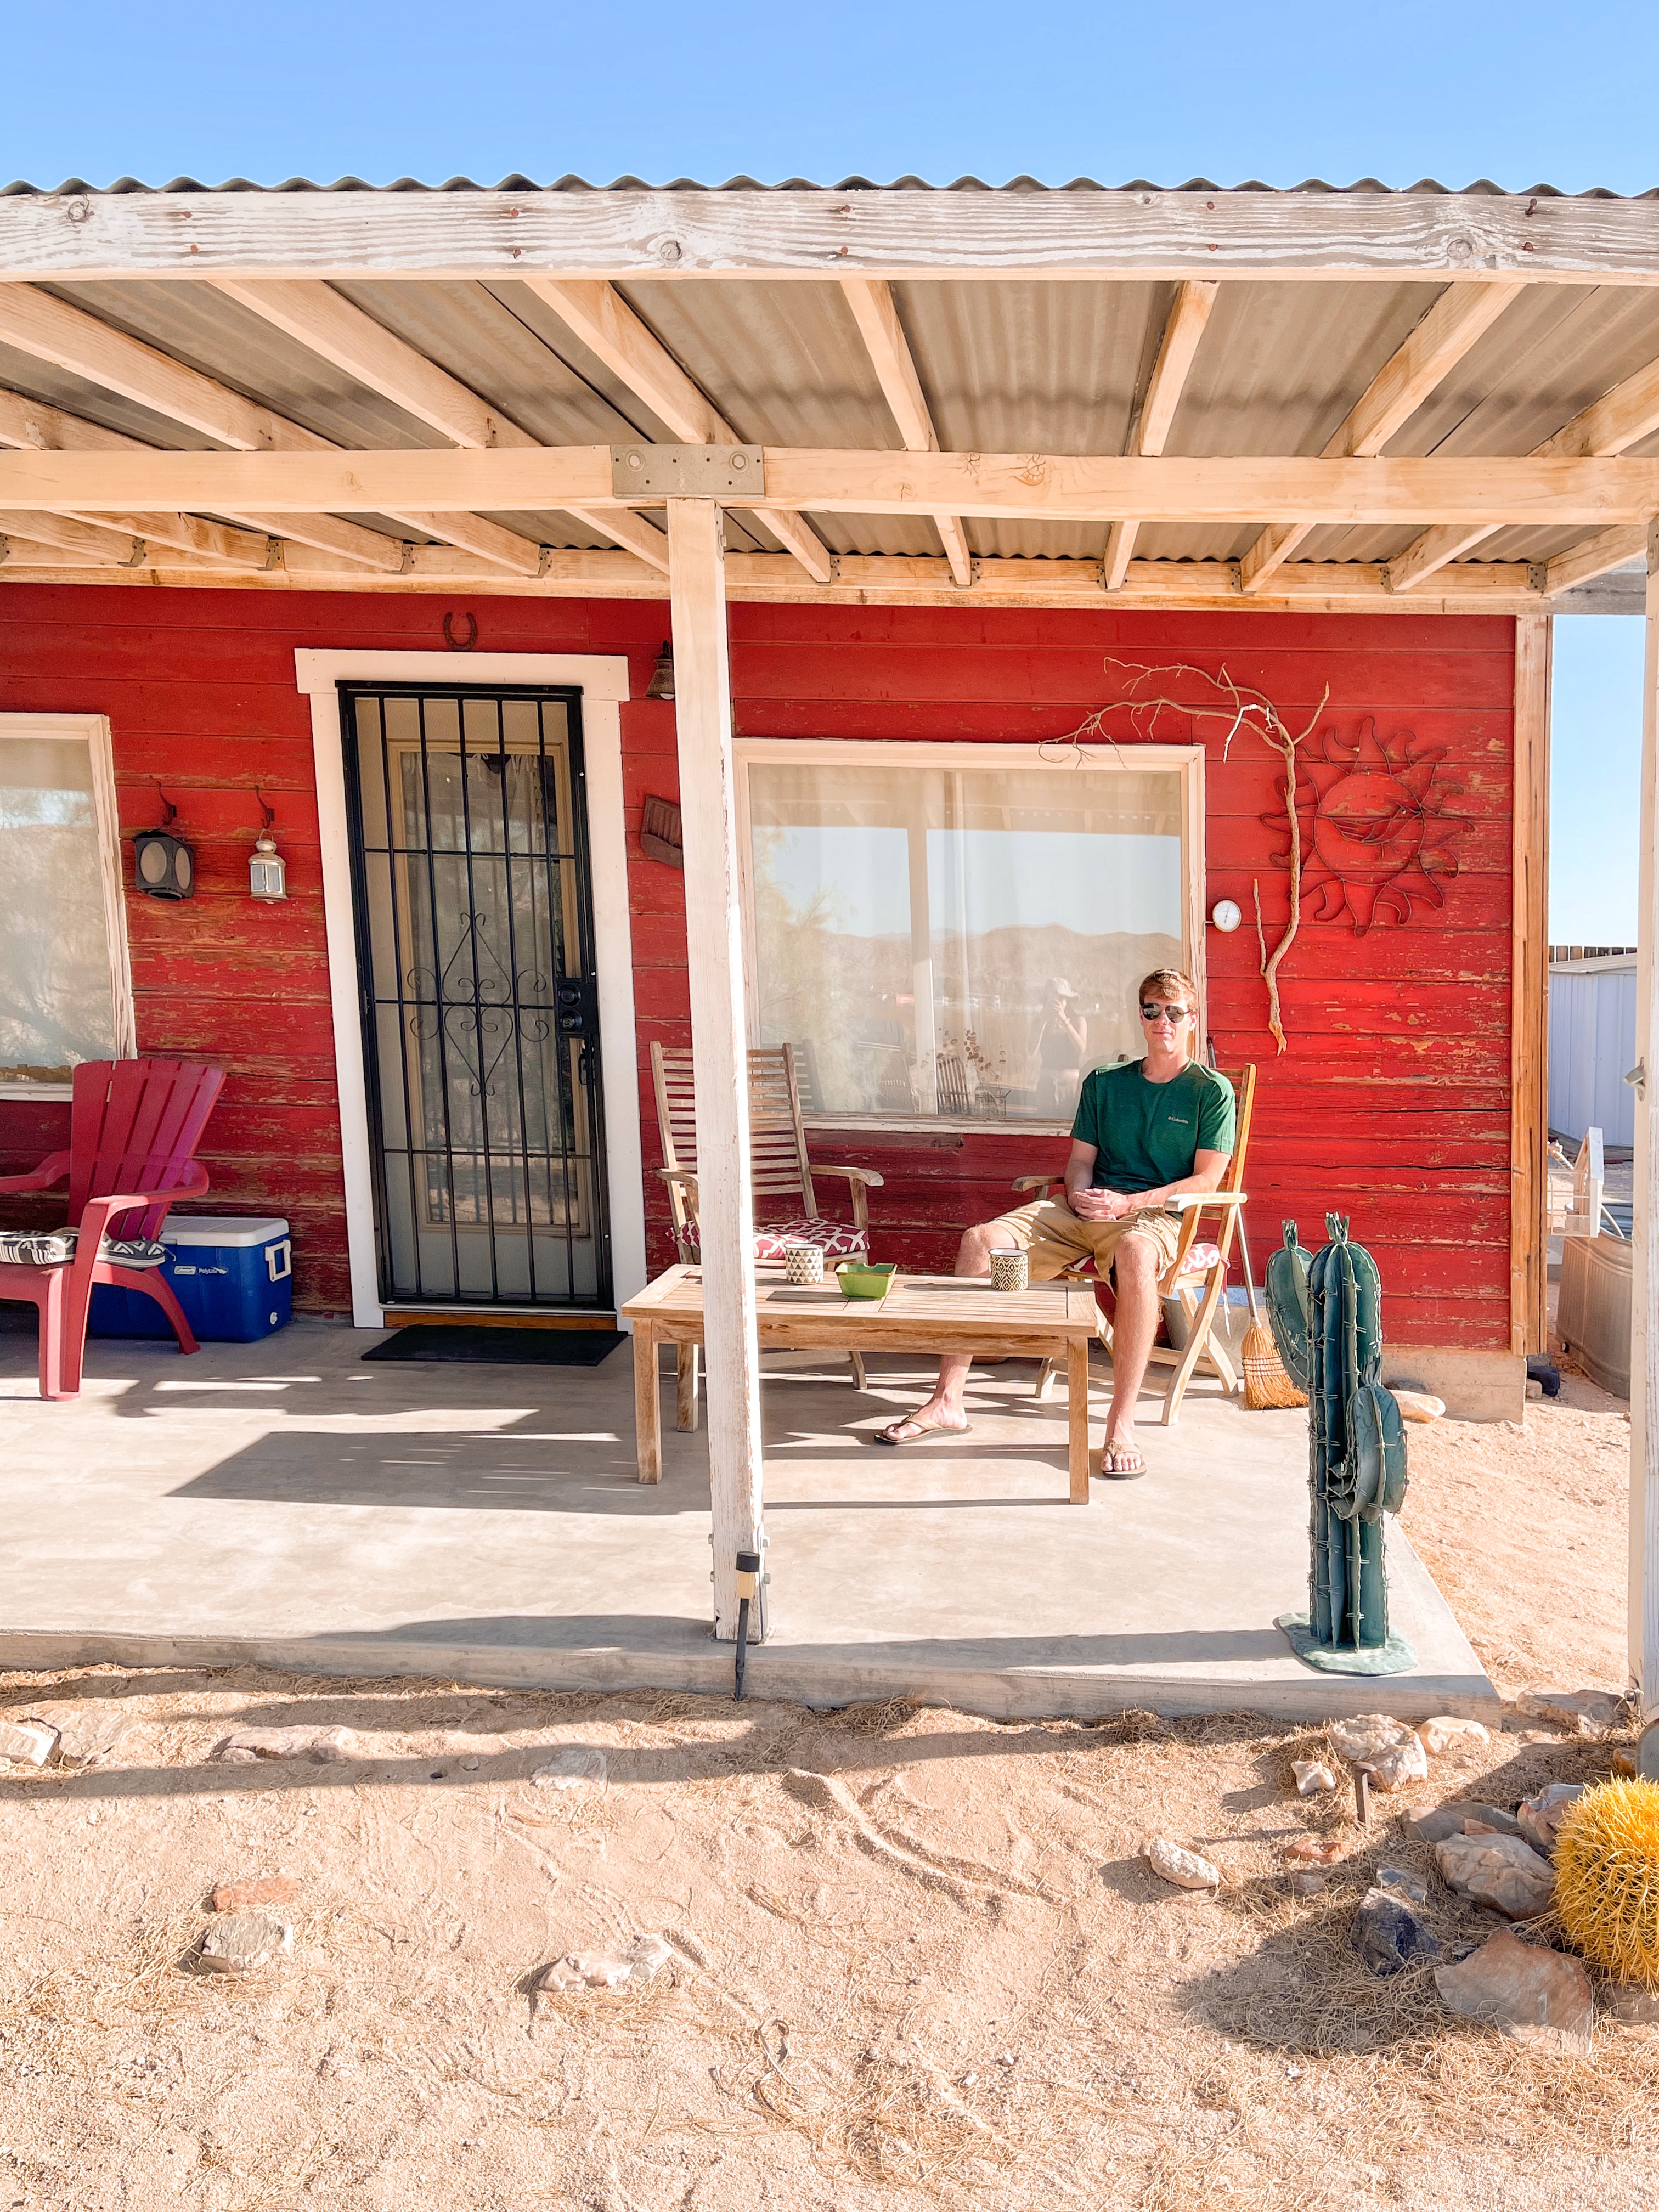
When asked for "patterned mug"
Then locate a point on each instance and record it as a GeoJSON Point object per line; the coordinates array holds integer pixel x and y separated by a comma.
{"type": "Point", "coordinates": [1010, 1269]}
{"type": "Point", "coordinates": [803, 1264]}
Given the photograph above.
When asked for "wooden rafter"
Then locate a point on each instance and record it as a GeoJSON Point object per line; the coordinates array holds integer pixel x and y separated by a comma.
{"type": "Point", "coordinates": [1593, 557]}
{"type": "Point", "coordinates": [904, 236]}
{"type": "Point", "coordinates": [876, 580]}
{"type": "Point", "coordinates": [1610, 425]}
{"type": "Point", "coordinates": [1179, 345]}
{"type": "Point", "coordinates": [53, 331]}
{"type": "Point", "coordinates": [1458, 318]}
{"type": "Point", "coordinates": [608, 327]}
{"type": "Point", "coordinates": [876, 313]}
{"type": "Point", "coordinates": [1469, 492]}
{"type": "Point", "coordinates": [318, 317]}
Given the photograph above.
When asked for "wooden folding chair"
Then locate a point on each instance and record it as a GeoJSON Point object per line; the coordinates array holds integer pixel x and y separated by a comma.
{"type": "Point", "coordinates": [1196, 1279]}
{"type": "Point", "coordinates": [781, 1169]}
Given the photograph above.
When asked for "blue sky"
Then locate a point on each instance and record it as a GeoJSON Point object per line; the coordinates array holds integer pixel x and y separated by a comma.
{"type": "Point", "coordinates": [1521, 93]}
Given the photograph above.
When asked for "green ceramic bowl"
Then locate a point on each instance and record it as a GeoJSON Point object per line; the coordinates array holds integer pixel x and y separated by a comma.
{"type": "Point", "coordinates": [860, 1279]}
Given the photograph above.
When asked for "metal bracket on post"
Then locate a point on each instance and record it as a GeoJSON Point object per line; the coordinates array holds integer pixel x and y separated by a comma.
{"type": "Point", "coordinates": [723, 472]}
{"type": "Point", "coordinates": [1538, 577]}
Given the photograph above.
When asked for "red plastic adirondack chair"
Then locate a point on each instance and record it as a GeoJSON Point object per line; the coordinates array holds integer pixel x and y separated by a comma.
{"type": "Point", "coordinates": [134, 1127]}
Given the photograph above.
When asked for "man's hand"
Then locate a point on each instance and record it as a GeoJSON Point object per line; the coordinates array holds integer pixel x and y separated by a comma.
{"type": "Point", "coordinates": [1089, 1205]}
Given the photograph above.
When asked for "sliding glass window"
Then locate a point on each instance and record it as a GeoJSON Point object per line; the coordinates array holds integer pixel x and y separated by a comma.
{"type": "Point", "coordinates": [950, 933]}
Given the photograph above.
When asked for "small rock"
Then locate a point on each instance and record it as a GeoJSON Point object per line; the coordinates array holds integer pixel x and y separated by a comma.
{"type": "Point", "coordinates": [1187, 1869]}
{"type": "Point", "coordinates": [1449, 1732]}
{"type": "Point", "coordinates": [1602, 1709]}
{"type": "Point", "coordinates": [1401, 1763]}
{"type": "Point", "coordinates": [27, 1743]}
{"type": "Point", "coordinates": [1624, 1764]}
{"type": "Point", "coordinates": [1315, 1851]}
{"type": "Point", "coordinates": [242, 1942]}
{"type": "Point", "coordinates": [1540, 1816]}
{"type": "Point", "coordinates": [1388, 1935]}
{"type": "Point", "coordinates": [322, 1745]}
{"type": "Point", "coordinates": [1455, 1819]}
{"type": "Point", "coordinates": [1402, 1881]}
{"type": "Point", "coordinates": [255, 1889]}
{"type": "Point", "coordinates": [1502, 1871]}
{"type": "Point", "coordinates": [576, 1766]}
{"type": "Point", "coordinates": [1312, 1775]}
{"type": "Point", "coordinates": [1530, 1994]}
{"type": "Point", "coordinates": [1367, 1735]}
{"type": "Point", "coordinates": [1306, 1883]}
{"type": "Point", "coordinates": [1636, 2010]}
{"type": "Point", "coordinates": [642, 1960]}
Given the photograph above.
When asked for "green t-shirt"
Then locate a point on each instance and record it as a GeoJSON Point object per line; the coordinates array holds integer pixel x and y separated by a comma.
{"type": "Point", "coordinates": [1146, 1134]}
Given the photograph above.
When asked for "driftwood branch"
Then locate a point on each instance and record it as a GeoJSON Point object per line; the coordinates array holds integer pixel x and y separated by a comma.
{"type": "Point", "coordinates": [1243, 708]}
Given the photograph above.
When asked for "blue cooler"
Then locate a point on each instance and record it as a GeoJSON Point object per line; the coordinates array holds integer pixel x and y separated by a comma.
{"type": "Point", "coordinates": [233, 1278]}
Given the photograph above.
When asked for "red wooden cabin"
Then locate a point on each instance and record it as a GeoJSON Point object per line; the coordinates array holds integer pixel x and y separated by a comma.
{"type": "Point", "coordinates": [1009, 450]}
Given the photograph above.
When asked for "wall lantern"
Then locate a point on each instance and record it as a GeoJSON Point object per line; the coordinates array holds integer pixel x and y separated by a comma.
{"type": "Point", "coordinates": [267, 872]}
{"type": "Point", "coordinates": [662, 685]}
{"type": "Point", "coordinates": [163, 866]}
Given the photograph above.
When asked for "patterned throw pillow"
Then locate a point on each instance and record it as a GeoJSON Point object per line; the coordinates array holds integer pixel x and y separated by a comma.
{"type": "Point", "coordinates": [37, 1247]}
{"type": "Point", "coordinates": [55, 1248]}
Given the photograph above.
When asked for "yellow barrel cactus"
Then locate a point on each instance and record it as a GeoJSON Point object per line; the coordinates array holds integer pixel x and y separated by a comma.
{"type": "Point", "coordinates": [1606, 1878]}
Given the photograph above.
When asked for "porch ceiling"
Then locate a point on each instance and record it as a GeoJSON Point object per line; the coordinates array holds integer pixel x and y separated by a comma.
{"type": "Point", "coordinates": [1335, 326]}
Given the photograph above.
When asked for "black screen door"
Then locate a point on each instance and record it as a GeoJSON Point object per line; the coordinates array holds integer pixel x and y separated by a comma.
{"type": "Point", "coordinates": [476, 970]}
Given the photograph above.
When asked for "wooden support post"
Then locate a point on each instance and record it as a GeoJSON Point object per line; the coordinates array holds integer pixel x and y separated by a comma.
{"type": "Point", "coordinates": [1529, 989]}
{"type": "Point", "coordinates": [703, 711]}
{"type": "Point", "coordinates": [1645, 1302]}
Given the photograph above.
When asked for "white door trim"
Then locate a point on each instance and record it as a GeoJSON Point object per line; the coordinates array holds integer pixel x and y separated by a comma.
{"type": "Point", "coordinates": [604, 682]}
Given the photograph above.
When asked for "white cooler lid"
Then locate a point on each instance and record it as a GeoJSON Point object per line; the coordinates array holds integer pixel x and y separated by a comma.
{"type": "Point", "coordinates": [235, 1230]}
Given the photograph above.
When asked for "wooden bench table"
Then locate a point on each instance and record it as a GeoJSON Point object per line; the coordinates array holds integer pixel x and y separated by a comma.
{"type": "Point", "coordinates": [932, 1314]}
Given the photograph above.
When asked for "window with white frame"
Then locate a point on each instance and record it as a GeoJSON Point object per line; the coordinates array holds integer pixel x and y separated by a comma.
{"type": "Point", "coordinates": [65, 991]}
{"type": "Point", "coordinates": [949, 932]}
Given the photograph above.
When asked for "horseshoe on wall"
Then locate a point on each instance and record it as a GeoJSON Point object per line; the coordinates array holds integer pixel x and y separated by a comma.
{"type": "Point", "coordinates": [461, 644]}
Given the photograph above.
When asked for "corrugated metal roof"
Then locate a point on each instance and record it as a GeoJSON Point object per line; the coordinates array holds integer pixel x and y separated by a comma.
{"type": "Point", "coordinates": [516, 183]}
{"type": "Point", "coordinates": [1006, 366]}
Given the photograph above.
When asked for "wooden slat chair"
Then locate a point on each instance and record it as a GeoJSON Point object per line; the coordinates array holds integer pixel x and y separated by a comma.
{"type": "Point", "coordinates": [134, 1127]}
{"type": "Point", "coordinates": [785, 1200]}
{"type": "Point", "coordinates": [1196, 1279]}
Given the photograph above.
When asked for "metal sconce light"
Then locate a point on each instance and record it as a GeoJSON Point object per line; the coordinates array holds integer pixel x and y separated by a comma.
{"type": "Point", "coordinates": [267, 871]}
{"type": "Point", "coordinates": [662, 685]}
{"type": "Point", "coordinates": [163, 866]}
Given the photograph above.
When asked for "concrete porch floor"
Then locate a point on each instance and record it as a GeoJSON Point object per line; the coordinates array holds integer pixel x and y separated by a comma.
{"type": "Point", "coordinates": [285, 1503]}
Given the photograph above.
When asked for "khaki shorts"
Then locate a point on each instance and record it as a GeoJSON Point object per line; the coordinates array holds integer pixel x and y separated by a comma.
{"type": "Point", "coordinates": [1055, 1239]}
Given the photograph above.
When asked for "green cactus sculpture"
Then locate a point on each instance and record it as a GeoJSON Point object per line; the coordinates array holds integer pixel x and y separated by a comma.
{"type": "Point", "coordinates": [1327, 1319]}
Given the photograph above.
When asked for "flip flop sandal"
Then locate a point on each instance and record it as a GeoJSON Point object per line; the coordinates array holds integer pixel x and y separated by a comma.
{"type": "Point", "coordinates": [886, 1437]}
{"type": "Point", "coordinates": [1109, 1469]}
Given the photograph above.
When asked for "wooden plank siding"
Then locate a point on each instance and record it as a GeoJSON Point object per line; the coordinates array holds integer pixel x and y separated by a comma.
{"type": "Point", "coordinates": [1392, 1104]}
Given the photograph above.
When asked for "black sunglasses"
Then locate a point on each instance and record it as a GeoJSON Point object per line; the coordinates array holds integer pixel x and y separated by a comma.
{"type": "Point", "coordinates": [1151, 1010]}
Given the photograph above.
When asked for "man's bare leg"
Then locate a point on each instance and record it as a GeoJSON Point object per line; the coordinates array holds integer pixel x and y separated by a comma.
{"type": "Point", "coordinates": [1136, 1268]}
{"type": "Point", "coordinates": [943, 1409]}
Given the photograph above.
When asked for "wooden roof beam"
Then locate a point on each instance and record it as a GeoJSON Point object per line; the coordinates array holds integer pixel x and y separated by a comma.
{"type": "Point", "coordinates": [320, 317]}
{"type": "Point", "coordinates": [874, 311]}
{"type": "Point", "coordinates": [1176, 349]}
{"type": "Point", "coordinates": [1462, 314]}
{"type": "Point", "coordinates": [1465, 492]}
{"type": "Point", "coordinates": [66, 337]}
{"type": "Point", "coordinates": [608, 327]}
{"type": "Point", "coordinates": [1620, 419]}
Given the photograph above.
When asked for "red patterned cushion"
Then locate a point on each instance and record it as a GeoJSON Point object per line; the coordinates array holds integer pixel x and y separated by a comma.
{"type": "Point", "coordinates": [1199, 1259]}
{"type": "Point", "coordinates": [836, 1240]}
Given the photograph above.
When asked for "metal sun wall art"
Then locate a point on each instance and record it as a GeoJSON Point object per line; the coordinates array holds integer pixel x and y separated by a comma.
{"type": "Point", "coordinates": [1374, 838]}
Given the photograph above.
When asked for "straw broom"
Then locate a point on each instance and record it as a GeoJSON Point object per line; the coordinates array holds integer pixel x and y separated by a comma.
{"type": "Point", "coordinates": [1266, 1383]}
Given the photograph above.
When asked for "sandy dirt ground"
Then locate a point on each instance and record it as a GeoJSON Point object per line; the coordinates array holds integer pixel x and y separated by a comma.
{"type": "Point", "coordinates": [916, 1959]}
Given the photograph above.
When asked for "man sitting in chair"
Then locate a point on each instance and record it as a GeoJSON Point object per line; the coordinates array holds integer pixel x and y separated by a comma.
{"type": "Point", "coordinates": [1145, 1131]}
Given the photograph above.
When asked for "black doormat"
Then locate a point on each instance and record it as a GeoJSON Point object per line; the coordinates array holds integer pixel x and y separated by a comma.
{"type": "Point", "coordinates": [501, 1347]}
